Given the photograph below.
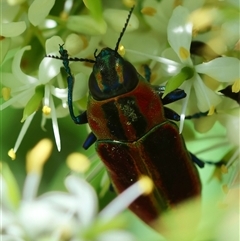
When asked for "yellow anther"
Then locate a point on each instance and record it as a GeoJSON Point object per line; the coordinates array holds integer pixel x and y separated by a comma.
{"type": "Point", "coordinates": [6, 93]}
{"type": "Point", "coordinates": [225, 188]}
{"type": "Point", "coordinates": [12, 154]}
{"type": "Point", "coordinates": [237, 46]}
{"type": "Point", "coordinates": [46, 110]}
{"type": "Point", "coordinates": [184, 53]}
{"type": "Point", "coordinates": [129, 3]}
{"type": "Point", "coordinates": [149, 11]}
{"type": "Point", "coordinates": [224, 169]}
{"type": "Point", "coordinates": [38, 156]}
{"type": "Point", "coordinates": [211, 110]}
{"type": "Point", "coordinates": [121, 50]}
{"type": "Point", "coordinates": [177, 3]}
{"type": "Point", "coordinates": [236, 86]}
{"type": "Point", "coordinates": [146, 184]}
{"type": "Point", "coordinates": [78, 162]}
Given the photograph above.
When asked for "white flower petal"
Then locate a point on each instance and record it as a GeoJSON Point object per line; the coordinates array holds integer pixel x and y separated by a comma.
{"type": "Point", "coordinates": [19, 99]}
{"type": "Point", "coordinates": [180, 34]}
{"type": "Point", "coordinates": [15, 2]}
{"type": "Point", "coordinates": [224, 69]}
{"type": "Point", "coordinates": [116, 235]}
{"type": "Point", "coordinates": [80, 86]}
{"type": "Point", "coordinates": [48, 69]}
{"type": "Point", "coordinates": [11, 9]}
{"type": "Point", "coordinates": [31, 185]}
{"type": "Point", "coordinates": [52, 45]}
{"type": "Point", "coordinates": [153, 45]}
{"type": "Point", "coordinates": [9, 80]}
{"type": "Point", "coordinates": [23, 131]}
{"type": "Point", "coordinates": [192, 5]}
{"type": "Point", "coordinates": [59, 93]}
{"type": "Point", "coordinates": [230, 32]}
{"type": "Point", "coordinates": [87, 25]}
{"type": "Point", "coordinates": [38, 218]}
{"type": "Point", "coordinates": [10, 226]}
{"type": "Point", "coordinates": [187, 88]}
{"type": "Point", "coordinates": [39, 10]}
{"type": "Point", "coordinates": [86, 196]}
{"type": "Point", "coordinates": [63, 202]}
{"type": "Point", "coordinates": [173, 64]}
{"type": "Point", "coordinates": [118, 22]}
{"type": "Point", "coordinates": [206, 98]}
{"type": "Point", "coordinates": [13, 29]}
{"type": "Point", "coordinates": [16, 70]}
{"type": "Point", "coordinates": [55, 124]}
{"type": "Point", "coordinates": [93, 43]}
{"type": "Point", "coordinates": [5, 44]}
{"type": "Point", "coordinates": [74, 44]}
{"type": "Point", "coordinates": [159, 20]}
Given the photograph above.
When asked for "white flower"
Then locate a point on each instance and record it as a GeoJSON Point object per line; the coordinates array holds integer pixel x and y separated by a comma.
{"type": "Point", "coordinates": [29, 92]}
{"type": "Point", "coordinates": [178, 62]}
{"type": "Point", "coordinates": [72, 214]}
{"type": "Point", "coordinates": [39, 10]}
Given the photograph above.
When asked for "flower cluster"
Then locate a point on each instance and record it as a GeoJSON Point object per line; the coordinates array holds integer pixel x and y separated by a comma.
{"type": "Point", "coordinates": [71, 215]}
{"type": "Point", "coordinates": [190, 45]}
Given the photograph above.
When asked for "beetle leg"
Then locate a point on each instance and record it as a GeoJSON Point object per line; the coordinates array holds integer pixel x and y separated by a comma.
{"type": "Point", "coordinates": [197, 160]}
{"type": "Point", "coordinates": [174, 96]}
{"type": "Point", "coordinates": [147, 72]}
{"type": "Point", "coordinates": [196, 115]}
{"type": "Point", "coordinates": [89, 141]}
{"type": "Point", "coordinates": [82, 118]}
{"type": "Point", "coordinates": [201, 163]}
{"type": "Point", "coordinates": [171, 114]}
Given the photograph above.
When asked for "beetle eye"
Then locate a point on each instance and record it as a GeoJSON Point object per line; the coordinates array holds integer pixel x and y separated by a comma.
{"type": "Point", "coordinates": [130, 76]}
{"type": "Point", "coordinates": [94, 88]}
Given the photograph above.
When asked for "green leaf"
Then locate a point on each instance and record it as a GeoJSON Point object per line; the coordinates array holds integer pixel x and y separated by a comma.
{"type": "Point", "coordinates": [173, 83]}
{"type": "Point", "coordinates": [33, 103]}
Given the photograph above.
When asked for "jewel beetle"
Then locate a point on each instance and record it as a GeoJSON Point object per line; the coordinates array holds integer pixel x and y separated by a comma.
{"type": "Point", "coordinates": [134, 133]}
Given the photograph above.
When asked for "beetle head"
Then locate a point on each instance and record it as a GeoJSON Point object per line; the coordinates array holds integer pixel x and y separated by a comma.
{"type": "Point", "coordinates": [111, 76]}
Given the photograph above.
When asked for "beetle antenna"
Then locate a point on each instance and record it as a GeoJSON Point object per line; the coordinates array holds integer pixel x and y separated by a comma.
{"type": "Point", "coordinates": [64, 56]}
{"type": "Point", "coordinates": [124, 28]}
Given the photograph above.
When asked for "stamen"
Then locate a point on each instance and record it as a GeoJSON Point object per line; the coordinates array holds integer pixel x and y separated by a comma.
{"type": "Point", "coordinates": [46, 110]}
{"type": "Point", "coordinates": [38, 156]}
{"type": "Point", "coordinates": [35, 161]}
{"type": "Point", "coordinates": [234, 157]}
{"type": "Point", "coordinates": [55, 124]}
{"type": "Point", "coordinates": [224, 169]}
{"type": "Point", "coordinates": [184, 53]}
{"type": "Point", "coordinates": [121, 50]}
{"type": "Point", "coordinates": [211, 110]}
{"type": "Point", "coordinates": [187, 90]}
{"type": "Point", "coordinates": [97, 168]}
{"type": "Point", "coordinates": [146, 184]}
{"type": "Point", "coordinates": [236, 86]}
{"type": "Point", "coordinates": [22, 133]}
{"type": "Point", "coordinates": [168, 62]}
{"type": "Point", "coordinates": [149, 11]}
{"type": "Point", "coordinates": [121, 202]}
{"type": "Point", "coordinates": [225, 188]}
{"type": "Point", "coordinates": [12, 154]}
{"type": "Point", "coordinates": [129, 3]}
{"type": "Point", "coordinates": [78, 162]}
{"type": "Point", "coordinates": [6, 92]}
